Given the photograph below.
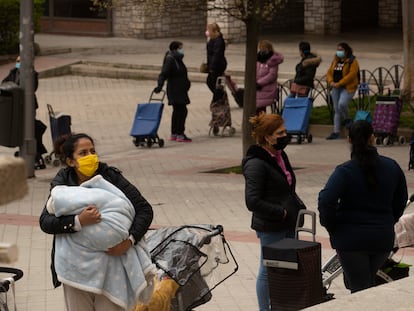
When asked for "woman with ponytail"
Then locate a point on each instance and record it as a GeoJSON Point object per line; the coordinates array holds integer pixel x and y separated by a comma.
{"type": "Point", "coordinates": [359, 205]}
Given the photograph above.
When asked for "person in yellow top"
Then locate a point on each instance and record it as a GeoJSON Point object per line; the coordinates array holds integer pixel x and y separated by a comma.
{"type": "Point", "coordinates": [343, 79]}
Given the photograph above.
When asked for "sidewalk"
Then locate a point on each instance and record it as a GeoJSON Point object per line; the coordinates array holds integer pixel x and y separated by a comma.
{"type": "Point", "coordinates": [173, 178]}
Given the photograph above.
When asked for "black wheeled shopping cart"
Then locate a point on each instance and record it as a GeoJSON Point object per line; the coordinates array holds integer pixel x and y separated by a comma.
{"type": "Point", "coordinates": [147, 121]}
{"type": "Point", "coordinates": [60, 125]}
{"type": "Point", "coordinates": [196, 257]}
{"type": "Point", "coordinates": [8, 276]}
{"type": "Point", "coordinates": [294, 269]}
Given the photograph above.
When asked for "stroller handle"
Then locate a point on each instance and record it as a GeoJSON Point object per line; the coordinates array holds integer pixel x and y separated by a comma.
{"type": "Point", "coordinates": [5, 283]}
{"type": "Point", "coordinates": [207, 238]}
{"type": "Point", "coordinates": [410, 200]}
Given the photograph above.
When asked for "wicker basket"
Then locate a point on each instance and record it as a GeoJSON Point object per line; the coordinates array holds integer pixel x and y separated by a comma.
{"type": "Point", "coordinates": [295, 289]}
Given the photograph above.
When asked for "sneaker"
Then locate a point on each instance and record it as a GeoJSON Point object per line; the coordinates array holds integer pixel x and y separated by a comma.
{"type": "Point", "coordinates": [333, 136]}
{"type": "Point", "coordinates": [183, 139]}
{"type": "Point", "coordinates": [173, 137]}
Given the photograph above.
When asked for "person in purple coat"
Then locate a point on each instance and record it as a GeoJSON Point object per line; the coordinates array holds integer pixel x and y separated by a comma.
{"type": "Point", "coordinates": [267, 67]}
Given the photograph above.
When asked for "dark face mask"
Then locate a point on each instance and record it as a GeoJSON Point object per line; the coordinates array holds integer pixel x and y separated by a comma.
{"type": "Point", "coordinates": [281, 142]}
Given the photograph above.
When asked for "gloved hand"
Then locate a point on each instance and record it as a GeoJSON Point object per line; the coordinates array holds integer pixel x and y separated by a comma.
{"type": "Point", "coordinates": [258, 87]}
{"type": "Point", "coordinates": [157, 89]}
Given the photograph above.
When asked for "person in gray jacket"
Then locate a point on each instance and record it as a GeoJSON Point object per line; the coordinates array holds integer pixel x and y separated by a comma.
{"type": "Point", "coordinates": [269, 190]}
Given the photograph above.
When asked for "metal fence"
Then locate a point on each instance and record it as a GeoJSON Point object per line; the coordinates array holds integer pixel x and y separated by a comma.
{"type": "Point", "coordinates": [379, 81]}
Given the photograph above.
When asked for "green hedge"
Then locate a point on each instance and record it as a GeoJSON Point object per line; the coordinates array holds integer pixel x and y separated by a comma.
{"type": "Point", "coordinates": [10, 24]}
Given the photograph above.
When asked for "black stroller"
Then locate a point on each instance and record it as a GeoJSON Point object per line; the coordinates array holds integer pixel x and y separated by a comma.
{"type": "Point", "coordinates": [7, 283]}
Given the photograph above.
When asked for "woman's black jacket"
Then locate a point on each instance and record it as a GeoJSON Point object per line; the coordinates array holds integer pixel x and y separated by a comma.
{"type": "Point", "coordinates": [175, 72]}
{"type": "Point", "coordinates": [64, 224]}
{"type": "Point", "coordinates": [267, 191]}
{"type": "Point", "coordinates": [216, 61]}
{"type": "Point", "coordinates": [306, 70]}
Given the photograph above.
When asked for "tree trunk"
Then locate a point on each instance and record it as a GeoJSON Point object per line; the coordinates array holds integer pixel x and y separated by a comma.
{"type": "Point", "coordinates": [249, 106]}
{"type": "Point", "coordinates": [408, 38]}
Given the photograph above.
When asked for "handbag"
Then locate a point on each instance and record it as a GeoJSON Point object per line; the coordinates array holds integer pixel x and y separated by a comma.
{"type": "Point", "coordinates": [203, 67]}
{"type": "Point", "coordinates": [298, 89]}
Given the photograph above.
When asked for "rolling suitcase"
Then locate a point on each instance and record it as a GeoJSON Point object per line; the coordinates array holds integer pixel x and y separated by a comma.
{"type": "Point", "coordinates": [147, 121]}
{"type": "Point", "coordinates": [296, 113]}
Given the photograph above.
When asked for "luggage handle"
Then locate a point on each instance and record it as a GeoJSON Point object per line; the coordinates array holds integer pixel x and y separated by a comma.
{"type": "Point", "coordinates": [50, 110]}
{"type": "Point", "coordinates": [301, 228]}
{"type": "Point", "coordinates": [159, 97]}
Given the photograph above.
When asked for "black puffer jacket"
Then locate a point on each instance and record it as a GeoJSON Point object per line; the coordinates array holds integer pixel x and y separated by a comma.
{"type": "Point", "coordinates": [175, 72]}
{"type": "Point", "coordinates": [57, 225]}
{"type": "Point", "coordinates": [306, 70]}
{"type": "Point", "coordinates": [268, 192]}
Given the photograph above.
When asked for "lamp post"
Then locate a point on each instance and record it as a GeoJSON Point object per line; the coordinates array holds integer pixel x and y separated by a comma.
{"type": "Point", "coordinates": [26, 35]}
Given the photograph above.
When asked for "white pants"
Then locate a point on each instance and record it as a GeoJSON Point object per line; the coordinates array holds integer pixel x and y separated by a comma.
{"type": "Point", "coordinates": [79, 300]}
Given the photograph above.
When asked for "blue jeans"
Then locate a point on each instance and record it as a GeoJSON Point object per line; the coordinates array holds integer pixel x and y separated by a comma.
{"type": "Point", "coordinates": [340, 100]}
{"type": "Point", "coordinates": [262, 286]}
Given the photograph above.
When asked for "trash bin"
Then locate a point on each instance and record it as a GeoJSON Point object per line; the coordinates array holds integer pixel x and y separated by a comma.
{"type": "Point", "coordinates": [11, 114]}
{"type": "Point", "coordinates": [294, 274]}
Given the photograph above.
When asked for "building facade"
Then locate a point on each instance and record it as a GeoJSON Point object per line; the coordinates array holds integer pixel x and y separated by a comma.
{"type": "Point", "coordinates": [132, 19]}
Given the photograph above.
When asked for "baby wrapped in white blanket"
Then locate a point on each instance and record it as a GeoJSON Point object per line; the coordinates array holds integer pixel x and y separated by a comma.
{"type": "Point", "coordinates": [80, 258]}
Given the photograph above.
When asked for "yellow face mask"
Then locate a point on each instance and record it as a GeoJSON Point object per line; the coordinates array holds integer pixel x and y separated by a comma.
{"type": "Point", "coordinates": [88, 164]}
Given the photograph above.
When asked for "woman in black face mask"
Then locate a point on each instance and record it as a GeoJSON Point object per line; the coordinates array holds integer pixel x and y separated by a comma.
{"type": "Point", "coordinates": [270, 190]}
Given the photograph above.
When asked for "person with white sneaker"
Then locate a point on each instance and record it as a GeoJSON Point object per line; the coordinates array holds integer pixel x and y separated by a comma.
{"type": "Point", "coordinates": [175, 72]}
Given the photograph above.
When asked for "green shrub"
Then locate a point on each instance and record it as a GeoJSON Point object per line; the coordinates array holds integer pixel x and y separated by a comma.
{"type": "Point", "coordinates": [10, 24]}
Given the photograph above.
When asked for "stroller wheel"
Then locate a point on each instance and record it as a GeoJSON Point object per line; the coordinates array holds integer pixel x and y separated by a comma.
{"type": "Point", "coordinates": [56, 162]}
{"type": "Point", "coordinates": [216, 130]}
{"type": "Point", "coordinates": [310, 138]}
{"type": "Point", "coordinates": [161, 143]}
{"type": "Point", "coordinates": [232, 131]}
{"type": "Point", "coordinates": [386, 141]}
{"type": "Point", "coordinates": [149, 142]}
{"type": "Point", "coordinates": [48, 159]}
{"type": "Point", "coordinates": [401, 140]}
